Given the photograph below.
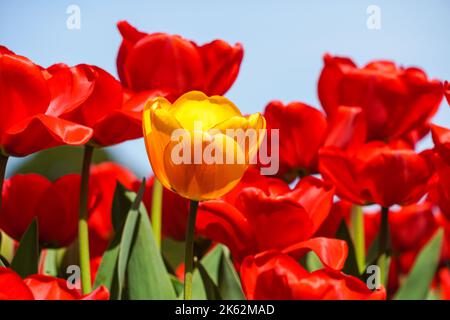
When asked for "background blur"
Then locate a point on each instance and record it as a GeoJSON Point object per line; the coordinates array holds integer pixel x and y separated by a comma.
{"type": "Point", "coordinates": [284, 42]}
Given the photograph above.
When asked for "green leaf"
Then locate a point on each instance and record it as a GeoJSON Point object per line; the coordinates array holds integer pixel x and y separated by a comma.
{"type": "Point", "coordinates": [120, 207]}
{"type": "Point", "coordinates": [229, 282]}
{"type": "Point", "coordinates": [26, 259]}
{"type": "Point", "coordinates": [128, 235]}
{"type": "Point", "coordinates": [221, 271]}
{"type": "Point", "coordinates": [351, 265]}
{"type": "Point", "coordinates": [107, 272]}
{"type": "Point", "coordinates": [211, 289]}
{"type": "Point", "coordinates": [177, 285]}
{"type": "Point", "coordinates": [416, 286]}
{"type": "Point", "coordinates": [146, 275]}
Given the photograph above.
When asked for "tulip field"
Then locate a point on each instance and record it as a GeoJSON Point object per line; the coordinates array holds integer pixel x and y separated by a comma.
{"type": "Point", "coordinates": [338, 201]}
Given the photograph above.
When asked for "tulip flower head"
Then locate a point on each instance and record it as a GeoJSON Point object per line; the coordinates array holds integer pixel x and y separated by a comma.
{"type": "Point", "coordinates": [200, 146]}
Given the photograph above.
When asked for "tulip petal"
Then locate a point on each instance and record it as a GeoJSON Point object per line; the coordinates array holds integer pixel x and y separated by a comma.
{"type": "Point", "coordinates": [336, 167]}
{"type": "Point", "coordinates": [316, 197]}
{"type": "Point", "coordinates": [279, 221]}
{"type": "Point", "coordinates": [23, 90]}
{"type": "Point", "coordinates": [195, 108]}
{"type": "Point", "coordinates": [441, 139]}
{"type": "Point", "coordinates": [48, 132]}
{"type": "Point", "coordinates": [222, 222]}
{"type": "Point", "coordinates": [302, 131]}
{"type": "Point", "coordinates": [69, 88]}
{"type": "Point", "coordinates": [21, 196]}
{"type": "Point", "coordinates": [221, 62]}
{"type": "Point", "coordinates": [331, 252]}
{"type": "Point", "coordinates": [12, 287]}
{"type": "Point", "coordinates": [162, 61]}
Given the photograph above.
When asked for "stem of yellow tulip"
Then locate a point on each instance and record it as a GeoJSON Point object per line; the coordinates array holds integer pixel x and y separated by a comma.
{"type": "Point", "coordinates": [156, 214]}
{"type": "Point", "coordinates": [3, 163]}
{"type": "Point", "coordinates": [383, 244]}
{"type": "Point", "coordinates": [189, 250]}
{"type": "Point", "coordinates": [83, 232]}
{"type": "Point", "coordinates": [358, 236]}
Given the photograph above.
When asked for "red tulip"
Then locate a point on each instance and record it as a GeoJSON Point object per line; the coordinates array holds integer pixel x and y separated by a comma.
{"type": "Point", "coordinates": [42, 287]}
{"type": "Point", "coordinates": [98, 102]}
{"type": "Point", "coordinates": [411, 227]}
{"type": "Point", "coordinates": [27, 124]}
{"type": "Point", "coordinates": [385, 174]}
{"type": "Point", "coordinates": [303, 130]}
{"type": "Point", "coordinates": [397, 102]}
{"type": "Point", "coordinates": [160, 61]}
{"type": "Point", "coordinates": [272, 275]}
{"type": "Point", "coordinates": [269, 215]}
{"type": "Point", "coordinates": [54, 204]}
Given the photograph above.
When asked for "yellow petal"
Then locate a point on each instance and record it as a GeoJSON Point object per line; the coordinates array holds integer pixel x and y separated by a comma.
{"type": "Point", "coordinates": [195, 106]}
{"type": "Point", "coordinates": [158, 124]}
{"type": "Point", "coordinates": [204, 181]}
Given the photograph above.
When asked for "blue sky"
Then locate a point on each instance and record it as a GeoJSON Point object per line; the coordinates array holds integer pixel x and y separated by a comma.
{"type": "Point", "coordinates": [284, 41]}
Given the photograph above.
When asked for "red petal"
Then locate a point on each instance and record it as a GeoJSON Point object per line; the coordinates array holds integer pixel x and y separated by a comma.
{"type": "Point", "coordinates": [332, 252]}
{"type": "Point", "coordinates": [270, 276]}
{"type": "Point", "coordinates": [394, 175]}
{"type": "Point", "coordinates": [347, 129]}
{"type": "Point", "coordinates": [339, 211]}
{"type": "Point", "coordinates": [166, 62]}
{"type": "Point", "coordinates": [45, 287]}
{"type": "Point", "coordinates": [49, 288]}
{"type": "Point", "coordinates": [23, 90]}
{"type": "Point", "coordinates": [302, 130]}
{"type": "Point", "coordinates": [316, 197]}
{"type": "Point", "coordinates": [331, 285]}
{"type": "Point", "coordinates": [69, 87]}
{"type": "Point", "coordinates": [395, 101]}
{"type": "Point", "coordinates": [335, 166]}
{"type": "Point", "coordinates": [277, 221]}
{"type": "Point", "coordinates": [441, 139]}
{"type": "Point", "coordinates": [12, 287]}
{"type": "Point", "coordinates": [222, 222]}
{"type": "Point", "coordinates": [43, 132]}
{"type": "Point", "coordinates": [221, 62]}
{"type": "Point", "coordinates": [57, 212]}
{"type": "Point", "coordinates": [130, 36]}
{"type": "Point", "coordinates": [21, 196]}
{"type": "Point", "coordinates": [329, 81]}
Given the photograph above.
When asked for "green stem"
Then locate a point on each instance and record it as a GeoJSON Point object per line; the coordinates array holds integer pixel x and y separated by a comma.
{"type": "Point", "coordinates": [358, 236]}
{"type": "Point", "coordinates": [189, 250]}
{"type": "Point", "coordinates": [83, 232]}
{"type": "Point", "coordinates": [156, 214]}
{"type": "Point", "coordinates": [383, 244]}
{"type": "Point", "coordinates": [3, 163]}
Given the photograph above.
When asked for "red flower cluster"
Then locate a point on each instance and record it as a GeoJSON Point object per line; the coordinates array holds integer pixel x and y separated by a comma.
{"type": "Point", "coordinates": [363, 146]}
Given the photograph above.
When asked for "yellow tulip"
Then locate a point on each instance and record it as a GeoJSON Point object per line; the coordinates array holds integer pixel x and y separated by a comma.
{"type": "Point", "coordinates": [209, 124]}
